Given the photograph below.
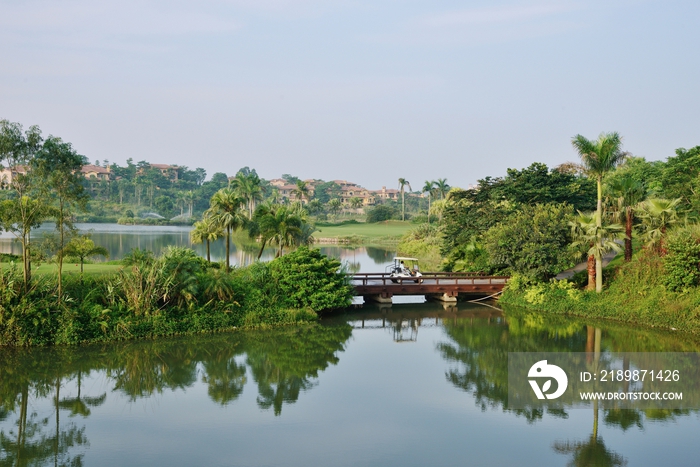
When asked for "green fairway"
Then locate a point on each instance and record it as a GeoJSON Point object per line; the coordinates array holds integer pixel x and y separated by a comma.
{"type": "Point", "coordinates": [366, 232]}
{"type": "Point", "coordinates": [74, 269]}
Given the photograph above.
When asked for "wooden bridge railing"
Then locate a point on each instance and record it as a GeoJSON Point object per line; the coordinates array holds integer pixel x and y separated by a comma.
{"type": "Point", "coordinates": [441, 278]}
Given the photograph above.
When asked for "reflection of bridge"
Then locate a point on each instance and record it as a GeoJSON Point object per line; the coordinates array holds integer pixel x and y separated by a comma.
{"type": "Point", "coordinates": [443, 286]}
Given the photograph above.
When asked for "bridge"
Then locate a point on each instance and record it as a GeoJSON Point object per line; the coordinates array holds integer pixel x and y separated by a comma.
{"type": "Point", "coordinates": [443, 286]}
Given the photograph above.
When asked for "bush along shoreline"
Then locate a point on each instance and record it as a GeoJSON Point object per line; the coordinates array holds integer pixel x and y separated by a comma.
{"type": "Point", "coordinates": [178, 293]}
{"type": "Point", "coordinates": [651, 290]}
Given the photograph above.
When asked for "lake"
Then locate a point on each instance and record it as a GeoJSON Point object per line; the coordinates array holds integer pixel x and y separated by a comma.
{"type": "Point", "coordinates": [404, 385]}
{"type": "Point", "coordinates": [121, 239]}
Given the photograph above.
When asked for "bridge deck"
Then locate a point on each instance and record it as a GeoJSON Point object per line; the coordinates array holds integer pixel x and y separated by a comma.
{"type": "Point", "coordinates": [450, 284]}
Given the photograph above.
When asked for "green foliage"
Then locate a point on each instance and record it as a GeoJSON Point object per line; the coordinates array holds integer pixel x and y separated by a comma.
{"type": "Point", "coordinates": [532, 242]}
{"type": "Point", "coordinates": [636, 293]}
{"type": "Point", "coordinates": [682, 261]}
{"type": "Point", "coordinates": [381, 213]}
{"type": "Point", "coordinates": [309, 279]}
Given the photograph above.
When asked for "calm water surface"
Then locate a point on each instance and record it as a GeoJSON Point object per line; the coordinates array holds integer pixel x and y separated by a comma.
{"type": "Point", "coordinates": [412, 384]}
{"type": "Point", "coordinates": [121, 239]}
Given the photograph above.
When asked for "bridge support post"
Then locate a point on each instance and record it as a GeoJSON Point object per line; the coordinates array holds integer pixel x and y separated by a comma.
{"type": "Point", "coordinates": [379, 298]}
{"type": "Point", "coordinates": [447, 297]}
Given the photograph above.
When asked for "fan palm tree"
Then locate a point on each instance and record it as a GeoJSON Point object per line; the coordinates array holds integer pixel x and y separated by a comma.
{"type": "Point", "coordinates": [226, 212]}
{"type": "Point", "coordinates": [599, 157]}
{"type": "Point", "coordinates": [658, 215]}
{"type": "Point", "coordinates": [402, 183]}
{"type": "Point", "coordinates": [627, 192]}
{"type": "Point", "coordinates": [580, 227]}
{"type": "Point", "coordinates": [442, 187]}
{"type": "Point", "coordinates": [206, 231]}
{"type": "Point", "coordinates": [428, 188]}
{"type": "Point", "coordinates": [598, 240]}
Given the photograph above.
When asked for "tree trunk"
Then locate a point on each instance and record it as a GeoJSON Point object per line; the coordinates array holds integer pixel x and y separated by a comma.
{"type": "Point", "coordinates": [599, 223]}
{"type": "Point", "coordinates": [208, 255]}
{"type": "Point", "coordinates": [262, 247]}
{"type": "Point", "coordinates": [228, 249]}
{"type": "Point", "coordinates": [60, 250]}
{"type": "Point", "coordinates": [628, 232]}
{"type": "Point", "coordinates": [403, 207]}
{"type": "Point", "coordinates": [591, 272]}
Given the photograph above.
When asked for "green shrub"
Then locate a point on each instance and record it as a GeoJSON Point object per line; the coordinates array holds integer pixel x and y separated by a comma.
{"type": "Point", "coordinates": [310, 279]}
{"type": "Point", "coordinates": [682, 262]}
{"type": "Point", "coordinates": [381, 213]}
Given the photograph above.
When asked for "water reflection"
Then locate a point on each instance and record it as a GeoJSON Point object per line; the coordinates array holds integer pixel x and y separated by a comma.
{"type": "Point", "coordinates": [52, 400]}
{"type": "Point", "coordinates": [283, 364]}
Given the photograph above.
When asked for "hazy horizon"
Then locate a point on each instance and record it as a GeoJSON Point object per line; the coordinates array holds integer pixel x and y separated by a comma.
{"type": "Point", "coordinates": [356, 90]}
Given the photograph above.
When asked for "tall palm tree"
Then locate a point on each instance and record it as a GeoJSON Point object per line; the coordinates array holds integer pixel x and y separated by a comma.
{"type": "Point", "coordinates": [428, 188]}
{"type": "Point", "coordinates": [627, 193]}
{"type": "Point", "coordinates": [442, 187]}
{"type": "Point", "coordinates": [226, 212]}
{"type": "Point", "coordinates": [188, 198]}
{"type": "Point", "coordinates": [658, 215]}
{"type": "Point", "coordinates": [599, 157]}
{"type": "Point", "coordinates": [206, 231]}
{"type": "Point", "coordinates": [402, 183]}
{"type": "Point", "coordinates": [249, 188]}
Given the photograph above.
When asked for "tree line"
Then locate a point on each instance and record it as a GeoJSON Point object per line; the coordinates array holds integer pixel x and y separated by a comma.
{"type": "Point", "coordinates": [538, 221]}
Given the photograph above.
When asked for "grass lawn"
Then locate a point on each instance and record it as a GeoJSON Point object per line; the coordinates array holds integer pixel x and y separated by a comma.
{"type": "Point", "coordinates": [73, 268]}
{"type": "Point", "coordinates": [367, 232]}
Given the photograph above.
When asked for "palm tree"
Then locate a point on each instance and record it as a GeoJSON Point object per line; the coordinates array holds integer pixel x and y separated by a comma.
{"type": "Point", "coordinates": [206, 231]}
{"type": "Point", "coordinates": [428, 188]}
{"type": "Point", "coordinates": [249, 188]}
{"type": "Point", "coordinates": [181, 202]}
{"type": "Point", "coordinates": [355, 202]}
{"type": "Point", "coordinates": [301, 192]}
{"type": "Point", "coordinates": [628, 192]}
{"type": "Point", "coordinates": [188, 198]}
{"type": "Point", "coordinates": [580, 227]}
{"type": "Point", "coordinates": [277, 224]}
{"type": "Point", "coordinates": [82, 247]}
{"type": "Point", "coordinates": [442, 187]}
{"type": "Point", "coordinates": [335, 205]}
{"type": "Point", "coordinates": [225, 211]}
{"type": "Point", "coordinates": [599, 157]}
{"type": "Point", "coordinates": [598, 240]}
{"type": "Point", "coordinates": [657, 215]}
{"type": "Point", "coordinates": [402, 183]}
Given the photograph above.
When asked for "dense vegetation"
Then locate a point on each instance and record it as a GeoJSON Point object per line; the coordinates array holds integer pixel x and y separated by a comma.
{"type": "Point", "coordinates": [177, 293]}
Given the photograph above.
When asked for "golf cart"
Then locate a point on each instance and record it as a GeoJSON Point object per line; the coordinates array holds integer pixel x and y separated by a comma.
{"type": "Point", "coordinates": [404, 268]}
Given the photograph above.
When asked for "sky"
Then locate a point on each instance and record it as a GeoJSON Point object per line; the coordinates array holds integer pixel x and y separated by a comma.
{"type": "Point", "coordinates": [361, 90]}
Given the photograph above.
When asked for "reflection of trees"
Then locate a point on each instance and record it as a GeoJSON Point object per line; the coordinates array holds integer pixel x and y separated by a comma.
{"type": "Point", "coordinates": [141, 369]}
{"type": "Point", "coordinates": [380, 255]}
{"type": "Point", "coordinates": [224, 376]}
{"type": "Point", "coordinates": [481, 348]}
{"type": "Point", "coordinates": [286, 365]}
